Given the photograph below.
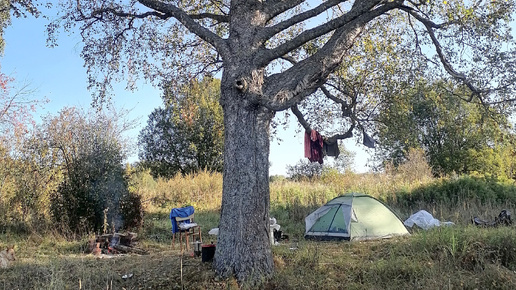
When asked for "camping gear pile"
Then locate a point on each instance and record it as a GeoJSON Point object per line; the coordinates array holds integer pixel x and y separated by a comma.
{"type": "Point", "coordinates": [503, 219]}
{"type": "Point", "coordinates": [353, 216]}
{"type": "Point", "coordinates": [275, 234]}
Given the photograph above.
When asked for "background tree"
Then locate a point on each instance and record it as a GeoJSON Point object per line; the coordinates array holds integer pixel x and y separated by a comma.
{"type": "Point", "coordinates": [187, 135]}
{"type": "Point", "coordinates": [90, 150]}
{"type": "Point", "coordinates": [306, 169]}
{"type": "Point", "coordinates": [344, 162]}
{"type": "Point", "coordinates": [456, 136]}
{"type": "Point", "coordinates": [175, 40]}
{"type": "Point", "coordinates": [16, 107]}
{"type": "Point", "coordinates": [24, 184]}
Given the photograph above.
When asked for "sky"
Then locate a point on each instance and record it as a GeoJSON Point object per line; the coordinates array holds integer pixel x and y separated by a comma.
{"type": "Point", "coordinates": [58, 74]}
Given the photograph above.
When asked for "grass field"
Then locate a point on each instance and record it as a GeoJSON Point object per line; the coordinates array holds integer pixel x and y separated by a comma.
{"type": "Point", "coordinates": [458, 257]}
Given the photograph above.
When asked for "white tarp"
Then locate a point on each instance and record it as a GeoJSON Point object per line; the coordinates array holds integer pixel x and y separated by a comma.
{"type": "Point", "coordinates": [424, 220]}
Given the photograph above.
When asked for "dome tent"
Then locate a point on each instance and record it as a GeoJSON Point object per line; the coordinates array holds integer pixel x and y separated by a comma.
{"type": "Point", "coordinates": [353, 216]}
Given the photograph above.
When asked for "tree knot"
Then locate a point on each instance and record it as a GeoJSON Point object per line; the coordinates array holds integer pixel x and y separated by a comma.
{"type": "Point", "coordinates": [241, 85]}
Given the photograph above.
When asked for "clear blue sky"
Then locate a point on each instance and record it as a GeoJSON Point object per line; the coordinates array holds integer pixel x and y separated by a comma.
{"type": "Point", "coordinates": [58, 74]}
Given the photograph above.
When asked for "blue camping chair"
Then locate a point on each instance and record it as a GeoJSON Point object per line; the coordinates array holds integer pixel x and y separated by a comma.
{"type": "Point", "coordinates": [182, 220]}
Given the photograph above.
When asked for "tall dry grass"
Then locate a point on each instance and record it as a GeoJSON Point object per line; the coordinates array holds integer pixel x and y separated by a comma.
{"type": "Point", "coordinates": [202, 190]}
{"type": "Point", "coordinates": [457, 199]}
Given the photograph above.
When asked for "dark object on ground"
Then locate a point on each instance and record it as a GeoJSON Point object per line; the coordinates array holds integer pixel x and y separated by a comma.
{"type": "Point", "coordinates": [279, 236]}
{"type": "Point", "coordinates": [207, 253]}
{"type": "Point", "coordinates": [503, 219]}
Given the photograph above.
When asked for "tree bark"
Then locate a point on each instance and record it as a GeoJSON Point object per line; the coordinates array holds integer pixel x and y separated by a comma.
{"type": "Point", "coordinates": [243, 247]}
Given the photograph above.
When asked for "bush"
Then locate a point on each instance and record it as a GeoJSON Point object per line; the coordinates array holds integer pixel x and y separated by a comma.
{"type": "Point", "coordinates": [132, 211]}
{"type": "Point", "coordinates": [95, 192]}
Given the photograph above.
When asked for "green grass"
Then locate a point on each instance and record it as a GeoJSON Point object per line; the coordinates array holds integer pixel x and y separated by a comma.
{"type": "Point", "coordinates": [461, 256]}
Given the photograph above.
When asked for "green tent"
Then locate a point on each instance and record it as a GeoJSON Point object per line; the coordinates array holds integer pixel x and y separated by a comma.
{"type": "Point", "coordinates": [353, 216]}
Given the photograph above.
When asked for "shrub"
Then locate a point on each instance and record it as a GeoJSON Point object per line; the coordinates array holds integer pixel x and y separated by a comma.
{"type": "Point", "coordinates": [131, 209]}
{"type": "Point", "coordinates": [91, 196]}
{"type": "Point", "coordinates": [95, 192]}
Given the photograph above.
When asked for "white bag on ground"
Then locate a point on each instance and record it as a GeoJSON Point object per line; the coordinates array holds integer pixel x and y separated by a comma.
{"type": "Point", "coordinates": [422, 219]}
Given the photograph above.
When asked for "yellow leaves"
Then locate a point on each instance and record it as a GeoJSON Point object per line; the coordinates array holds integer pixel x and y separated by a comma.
{"type": "Point", "coordinates": [368, 45]}
{"type": "Point", "coordinates": [189, 112]}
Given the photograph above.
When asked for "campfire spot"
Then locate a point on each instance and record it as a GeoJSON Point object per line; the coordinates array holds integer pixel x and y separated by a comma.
{"type": "Point", "coordinates": [115, 244]}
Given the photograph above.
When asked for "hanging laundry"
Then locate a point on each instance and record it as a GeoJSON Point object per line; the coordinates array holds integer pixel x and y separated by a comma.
{"type": "Point", "coordinates": [314, 146]}
{"type": "Point", "coordinates": [331, 148]}
{"type": "Point", "coordinates": [368, 140]}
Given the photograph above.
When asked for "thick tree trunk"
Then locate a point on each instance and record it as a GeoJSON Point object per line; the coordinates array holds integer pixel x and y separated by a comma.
{"type": "Point", "coordinates": [243, 247]}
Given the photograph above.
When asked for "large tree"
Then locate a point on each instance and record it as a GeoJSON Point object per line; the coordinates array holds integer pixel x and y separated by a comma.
{"type": "Point", "coordinates": [274, 55]}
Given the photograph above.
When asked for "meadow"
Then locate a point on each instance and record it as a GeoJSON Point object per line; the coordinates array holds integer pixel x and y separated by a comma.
{"type": "Point", "coordinates": [462, 256]}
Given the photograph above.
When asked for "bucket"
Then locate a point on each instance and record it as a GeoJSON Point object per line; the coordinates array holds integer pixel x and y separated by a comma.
{"type": "Point", "coordinates": [207, 253]}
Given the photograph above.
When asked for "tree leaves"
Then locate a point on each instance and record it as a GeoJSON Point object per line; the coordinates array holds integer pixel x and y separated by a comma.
{"type": "Point", "coordinates": [452, 133]}
{"type": "Point", "coordinates": [187, 135]}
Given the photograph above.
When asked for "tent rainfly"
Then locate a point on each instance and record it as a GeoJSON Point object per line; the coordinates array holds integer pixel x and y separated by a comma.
{"type": "Point", "coordinates": [353, 216]}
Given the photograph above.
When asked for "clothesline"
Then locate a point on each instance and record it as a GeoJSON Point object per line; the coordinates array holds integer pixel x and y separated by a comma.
{"type": "Point", "coordinates": [317, 146]}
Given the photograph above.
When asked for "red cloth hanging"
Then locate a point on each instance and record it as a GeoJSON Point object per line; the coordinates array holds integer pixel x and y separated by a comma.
{"type": "Point", "coordinates": [314, 146]}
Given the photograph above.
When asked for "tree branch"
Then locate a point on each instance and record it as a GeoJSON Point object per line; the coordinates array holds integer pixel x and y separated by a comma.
{"type": "Point", "coordinates": [308, 129]}
{"type": "Point", "coordinates": [205, 34]}
{"type": "Point", "coordinates": [360, 12]}
{"type": "Point", "coordinates": [346, 109]}
{"type": "Point", "coordinates": [158, 14]}
{"type": "Point", "coordinates": [269, 32]}
{"type": "Point", "coordinates": [430, 26]}
{"type": "Point", "coordinates": [300, 118]}
{"type": "Point", "coordinates": [99, 12]}
{"type": "Point", "coordinates": [217, 17]}
{"type": "Point", "coordinates": [289, 58]}
{"type": "Point", "coordinates": [274, 8]}
{"type": "Point", "coordinates": [305, 77]}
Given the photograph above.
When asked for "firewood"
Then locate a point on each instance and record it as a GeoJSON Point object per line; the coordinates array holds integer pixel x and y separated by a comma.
{"type": "Point", "coordinates": [128, 239]}
{"type": "Point", "coordinates": [126, 249]}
